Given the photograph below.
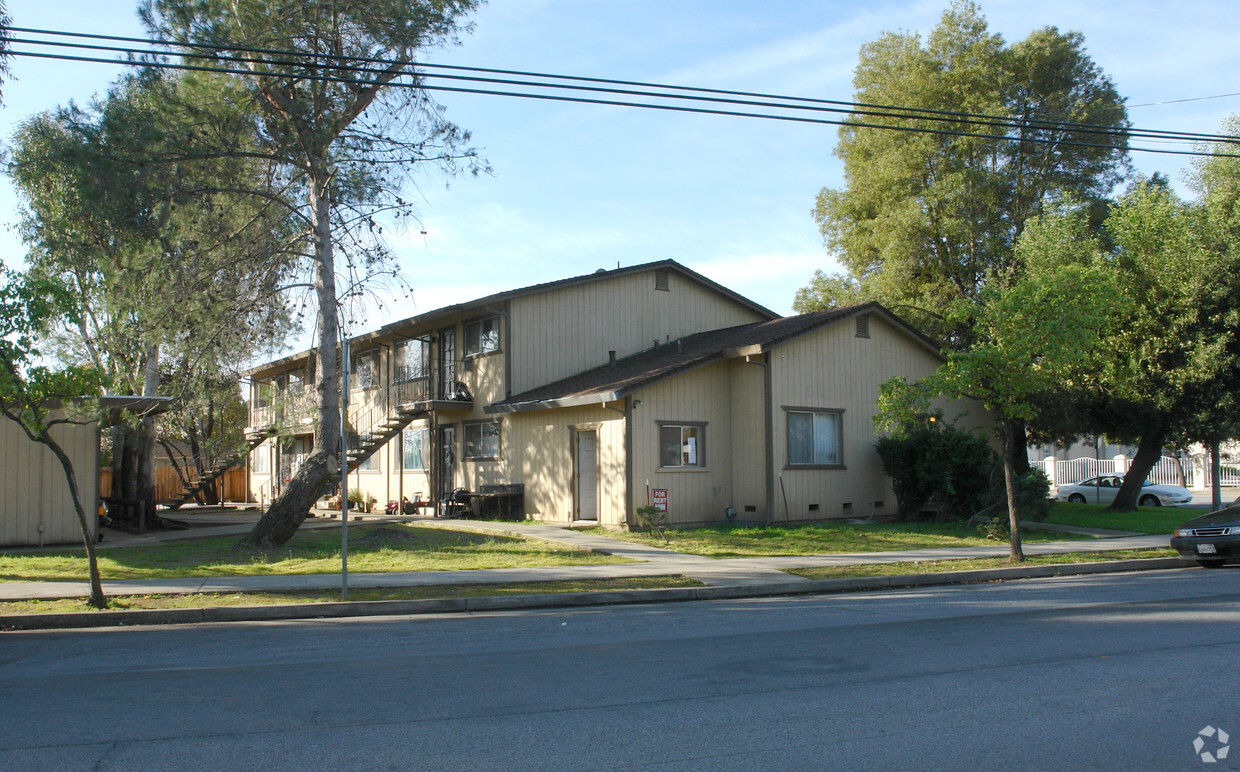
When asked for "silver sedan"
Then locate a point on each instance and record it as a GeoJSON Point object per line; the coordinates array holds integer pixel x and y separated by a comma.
{"type": "Point", "coordinates": [1103, 488]}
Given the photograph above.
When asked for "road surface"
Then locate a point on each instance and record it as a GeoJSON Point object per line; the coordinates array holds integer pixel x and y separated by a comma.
{"type": "Point", "coordinates": [1101, 672]}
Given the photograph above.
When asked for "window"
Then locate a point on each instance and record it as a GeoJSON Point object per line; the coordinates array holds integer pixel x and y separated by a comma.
{"type": "Point", "coordinates": [482, 440]}
{"type": "Point", "coordinates": [416, 448]}
{"type": "Point", "coordinates": [680, 445]}
{"type": "Point", "coordinates": [413, 360]}
{"type": "Point", "coordinates": [261, 459]}
{"type": "Point", "coordinates": [370, 464]}
{"type": "Point", "coordinates": [814, 437]}
{"type": "Point", "coordinates": [264, 393]}
{"type": "Point", "coordinates": [482, 336]}
{"type": "Point", "coordinates": [364, 370]}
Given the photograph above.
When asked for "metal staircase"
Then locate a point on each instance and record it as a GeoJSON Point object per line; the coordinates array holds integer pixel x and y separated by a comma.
{"type": "Point", "coordinates": [253, 437]}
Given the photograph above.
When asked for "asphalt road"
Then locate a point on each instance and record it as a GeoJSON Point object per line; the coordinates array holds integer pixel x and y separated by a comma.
{"type": "Point", "coordinates": [1101, 672]}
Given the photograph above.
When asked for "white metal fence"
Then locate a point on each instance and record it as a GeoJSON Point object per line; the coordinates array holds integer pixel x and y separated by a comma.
{"type": "Point", "coordinates": [1188, 471]}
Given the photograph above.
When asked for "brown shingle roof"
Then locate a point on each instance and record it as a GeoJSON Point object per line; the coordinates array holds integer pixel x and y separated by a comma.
{"type": "Point", "coordinates": [611, 382]}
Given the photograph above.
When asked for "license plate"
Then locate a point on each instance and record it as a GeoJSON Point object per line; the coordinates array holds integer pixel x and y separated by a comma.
{"type": "Point", "coordinates": [1206, 549]}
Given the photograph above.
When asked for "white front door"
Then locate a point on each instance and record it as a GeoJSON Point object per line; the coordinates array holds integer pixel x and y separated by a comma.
{"type": "Point", "coordinates": [587, 476]}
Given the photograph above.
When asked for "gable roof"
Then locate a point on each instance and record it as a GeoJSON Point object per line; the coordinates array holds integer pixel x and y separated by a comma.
{"type": "Point", "coordinates": [612, 382]}
{"type": "Point", "coordinates": [442, 314]}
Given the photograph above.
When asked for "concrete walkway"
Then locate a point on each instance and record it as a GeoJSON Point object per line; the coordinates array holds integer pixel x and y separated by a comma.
{"type": "Point", "coordinates": [651, 561]}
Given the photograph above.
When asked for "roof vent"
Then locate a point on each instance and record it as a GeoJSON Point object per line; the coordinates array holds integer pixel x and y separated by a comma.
{"type": "Point", "coordinates": [611, 358]}
{"type": "Point", "coordinates": [660, 280]}
{"type": "Point", "coordinates": [863, 326]}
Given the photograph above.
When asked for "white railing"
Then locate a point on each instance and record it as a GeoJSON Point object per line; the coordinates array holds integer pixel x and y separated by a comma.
{"type": "Point", "coordinates": [1187, 471]}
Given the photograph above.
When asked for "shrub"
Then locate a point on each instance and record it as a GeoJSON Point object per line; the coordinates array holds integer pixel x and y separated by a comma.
{"type": "Point", "coordinates": [652, 520]}
{"type": "Point", "coordinates": [931, 463]}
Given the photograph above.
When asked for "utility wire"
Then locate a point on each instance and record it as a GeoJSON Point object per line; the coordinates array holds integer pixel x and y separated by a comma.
{"type": "Point", "coordinates": [348, 65]}
{"type": "Point", "coordinates": [683, 93]}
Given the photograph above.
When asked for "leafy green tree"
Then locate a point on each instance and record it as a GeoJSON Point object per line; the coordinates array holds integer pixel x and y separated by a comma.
{"type": "Point", "coordinates": [927, 221]}
{"type": "Point", "coordinates": [1176, 370]}
{"type": "Point", "coordinates": [30, 391]}
{"type": "Point", "coordinates": [323, 77]}
{"type": "Point", "coordinates": [1035, 336]}
{"type": "Point", "coordinates": [171, 259]}
{"type": "Point", "coordinates": [824, 291]}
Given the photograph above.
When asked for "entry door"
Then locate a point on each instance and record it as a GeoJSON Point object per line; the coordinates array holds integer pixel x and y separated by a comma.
{"type": "Point", "coordinates": [587, 475]}
{"type": "Point", "coordinates": [447, 459]}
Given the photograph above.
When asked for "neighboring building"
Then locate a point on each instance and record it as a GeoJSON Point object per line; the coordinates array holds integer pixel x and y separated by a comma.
{"type": "Point", "coordinates": [589, 395]}
{"type": "Point", "coordinates": [35, 505]}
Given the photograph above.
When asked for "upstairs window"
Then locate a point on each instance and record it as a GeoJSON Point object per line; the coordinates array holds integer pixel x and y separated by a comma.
{"type": "Point", "coordinates": [482, 336]}
{"type": "Point", "coordinates": [364, 370]}
{"type": "Point", "coordinates": [413, 360]}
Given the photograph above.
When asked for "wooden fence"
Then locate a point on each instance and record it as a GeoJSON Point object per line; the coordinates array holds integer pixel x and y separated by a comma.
{"type": "Point", "coordinates": [230, 486]}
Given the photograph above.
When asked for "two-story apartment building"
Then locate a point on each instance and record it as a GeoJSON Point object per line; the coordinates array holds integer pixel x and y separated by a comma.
{"type": "Point", "coordinates": [597, 394]}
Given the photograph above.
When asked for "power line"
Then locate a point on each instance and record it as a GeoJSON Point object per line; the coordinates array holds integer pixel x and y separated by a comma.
{"type": "Point", "coordinates": [682, 93]}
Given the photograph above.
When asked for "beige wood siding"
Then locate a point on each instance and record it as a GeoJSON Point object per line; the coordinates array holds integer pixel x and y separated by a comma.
{"type": "Point", "coordinates": [538, 452]}
{"type": "Point", "coordinates": [749, 462]}
{"type": "Point", "coordinates": [34, 491]}
{"type": "Point", "coordinates": [565, 331]}
{"type": "Point", "coordinates": [833, 369]}
{"type": "Point", "coordinates": [703, 396]}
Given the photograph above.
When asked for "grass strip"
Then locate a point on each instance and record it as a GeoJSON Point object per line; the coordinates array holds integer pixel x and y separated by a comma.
{"type": "Point", "coordinates": [205, 600]}
{"type": "Point", "coordinates": [1144, 520]}
{"type": "Point", "coordinates": [966, 564]}
{"type": "Point", "coordinates": [734, 541]}
{"type": "Point", "coordinates": [383, 547]}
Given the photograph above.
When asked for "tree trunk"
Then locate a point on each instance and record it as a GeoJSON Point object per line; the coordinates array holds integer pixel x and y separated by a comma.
{"type": "Point", "coordinates": [1013, 444]}
{"type": "Point", "coordinates": [97, 598]}
{"type": "Point", "coordinates": [288, 511]}
{"type": "Point", "coordinates": [1149, 450]}
{"type": "Point", "coordinates": [146, 441]}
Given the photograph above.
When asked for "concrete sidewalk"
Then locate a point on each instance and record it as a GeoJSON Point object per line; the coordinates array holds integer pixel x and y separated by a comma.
{"type": "Point", "coordinates": [756, 573]}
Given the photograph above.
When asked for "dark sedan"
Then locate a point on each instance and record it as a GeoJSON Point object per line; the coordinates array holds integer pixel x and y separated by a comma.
{"type": "Point", "coordinates": [1211, 539]}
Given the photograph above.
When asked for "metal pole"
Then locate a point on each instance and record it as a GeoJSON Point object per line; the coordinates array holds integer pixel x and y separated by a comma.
{"type": "Point", "coordinates": [344, 466]}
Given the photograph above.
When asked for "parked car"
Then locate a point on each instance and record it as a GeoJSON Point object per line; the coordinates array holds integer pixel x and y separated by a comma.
{"type": "Point", "coordinates": [1211, 539]}
{"type": "Point", "coordinates": [1103, 488]}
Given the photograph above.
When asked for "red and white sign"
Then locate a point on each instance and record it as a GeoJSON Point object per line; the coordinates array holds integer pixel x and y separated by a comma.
{"type": "Point", "coordinates": [658, 497]}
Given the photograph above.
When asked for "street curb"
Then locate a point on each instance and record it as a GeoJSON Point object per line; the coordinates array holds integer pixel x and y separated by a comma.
{"type": "Point", "coordinates": [303, 611]}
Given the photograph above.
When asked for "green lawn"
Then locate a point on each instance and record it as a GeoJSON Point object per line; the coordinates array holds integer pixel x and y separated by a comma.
{"type": "Point", "coordinates": [372, 548]}
{"type": "Point", "coordinates": [1144, 520]}
{"type": "Point", "coordinates": [818, 538]}
{"type": "Point", "coordinates": [941, 566]}
{"type": "Point", "coordinates": [205, 600]}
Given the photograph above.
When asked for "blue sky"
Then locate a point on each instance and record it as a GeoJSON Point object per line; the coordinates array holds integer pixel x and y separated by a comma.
{"type": "Point", "coordinates": [578, 187]}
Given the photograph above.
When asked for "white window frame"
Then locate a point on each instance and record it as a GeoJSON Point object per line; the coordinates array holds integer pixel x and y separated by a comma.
{"type": "Point", "coordinates": [423, 449]}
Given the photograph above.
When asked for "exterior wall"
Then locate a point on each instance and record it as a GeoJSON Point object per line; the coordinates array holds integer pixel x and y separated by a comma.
{"type": "Point", "coordinates": [538, 452]}
{"type": "Point", "coordinates": [696, 495]}
{"type": "Point", "coordinates": [34, 491]}
{"type": "Point", "coordinates": [564, 331]}
{"type": "Point", "coordinates": [833, 369]}
{"type": "Point", "coordinates": [749, 431]}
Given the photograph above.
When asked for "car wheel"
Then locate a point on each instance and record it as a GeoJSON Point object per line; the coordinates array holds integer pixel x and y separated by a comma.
{"type": "Point", "coordinates": [1211, 563]}
{"type": "Point", "coordinates": [1076, 498]}
{"type": "Point", "coordinates": [1150, 500]}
